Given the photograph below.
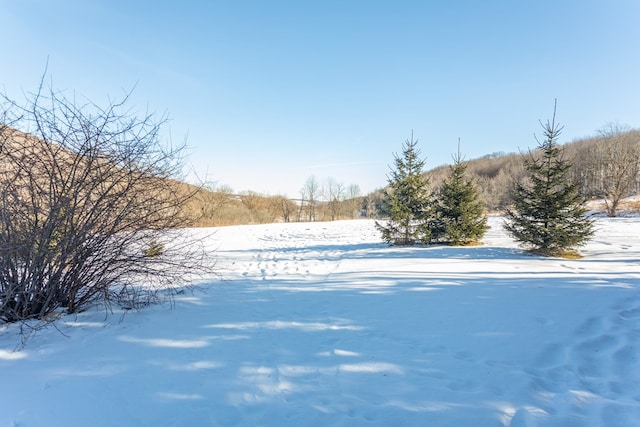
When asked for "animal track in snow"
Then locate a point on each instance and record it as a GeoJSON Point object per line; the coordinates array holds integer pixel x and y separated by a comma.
{"type": "Point", "coordinates": [591, 372]}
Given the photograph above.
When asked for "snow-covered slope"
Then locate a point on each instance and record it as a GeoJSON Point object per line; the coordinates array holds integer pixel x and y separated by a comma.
{"type": "Point", "coordinates": [323, 325]}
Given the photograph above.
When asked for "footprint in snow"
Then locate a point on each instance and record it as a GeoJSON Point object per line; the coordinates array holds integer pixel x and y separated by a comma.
{"type": "Point", "coordinates": [552, 355]}
{"type": "Point", "coordinates": [590, 327]}
{"type": "Point", "coordinates": [632, 313]}
{"type": "Point", "coordinates": [598, 344]}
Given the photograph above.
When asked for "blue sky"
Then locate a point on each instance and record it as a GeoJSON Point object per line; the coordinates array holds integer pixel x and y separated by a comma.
{"type": "Point", "coordinates": [269, 93]}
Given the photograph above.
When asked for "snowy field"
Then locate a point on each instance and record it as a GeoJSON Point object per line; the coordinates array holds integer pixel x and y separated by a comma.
{"type": "Point", "coordinates": [323, 325]}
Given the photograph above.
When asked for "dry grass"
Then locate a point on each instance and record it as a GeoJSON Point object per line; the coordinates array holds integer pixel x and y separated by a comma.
{"type": "Point", "coordinates": [632, 205]}
{"type": "Point", "coordinates": [471, 244]}
{"type": "Point", "coordinates": [556, 253]}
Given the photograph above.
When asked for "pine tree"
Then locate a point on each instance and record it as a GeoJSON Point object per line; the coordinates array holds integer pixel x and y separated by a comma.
{"type": "Point", "coordinates": [407, 201]}
{"type": "Point", "coordinates": [548, 214]}
{"type": "Point", "coordinates": [459, 210]}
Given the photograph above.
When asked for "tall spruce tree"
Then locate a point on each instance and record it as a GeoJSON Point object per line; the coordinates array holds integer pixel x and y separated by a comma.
{"type": "Point", "coordinates": [407, 202]}
{"type": "Point", "coordinates": [548, 213]}
{"type": "Point", "coordinates": [460, 218]}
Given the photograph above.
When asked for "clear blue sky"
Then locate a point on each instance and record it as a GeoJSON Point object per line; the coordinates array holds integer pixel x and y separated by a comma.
{"type": "Point", "coordinates": [268, 93]}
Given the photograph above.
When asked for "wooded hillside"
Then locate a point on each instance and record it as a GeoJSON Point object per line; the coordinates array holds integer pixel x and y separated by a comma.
{"type": "Point", "coordinates": [605, 166]}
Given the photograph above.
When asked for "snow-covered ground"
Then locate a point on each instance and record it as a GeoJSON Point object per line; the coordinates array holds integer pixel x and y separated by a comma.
{"type": "Point", "coordinates": [323, 325]}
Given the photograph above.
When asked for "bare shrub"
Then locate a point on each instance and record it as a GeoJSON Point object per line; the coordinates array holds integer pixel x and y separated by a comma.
{"type": "Point", "coordinates": [86, 192]}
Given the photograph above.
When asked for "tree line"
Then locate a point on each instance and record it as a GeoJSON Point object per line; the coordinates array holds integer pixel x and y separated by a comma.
{"type": "Point", "coordinates": [605, 166]}
{"type": "Point", "coordinates": [318, 201]}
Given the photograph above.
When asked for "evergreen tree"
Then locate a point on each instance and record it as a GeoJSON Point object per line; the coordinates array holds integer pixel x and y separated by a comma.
{"type": "Point", "coordinates": [407, 201]}
{"type": "Point", "coordinates": [459, 210]}
{"type": "Point", "coordinates": [548, 213]}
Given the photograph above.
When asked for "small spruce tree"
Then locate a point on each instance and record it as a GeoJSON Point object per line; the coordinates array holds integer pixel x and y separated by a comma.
{"type": "Point", "coordinates": [548, 213]}
{"type": "Point", "coordinates": [460, 218]}
{"type": "Point", "coordinates": [407, 201]}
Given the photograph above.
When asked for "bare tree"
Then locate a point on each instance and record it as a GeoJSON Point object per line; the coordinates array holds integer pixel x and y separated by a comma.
{"type": "Point", "coordinates": [372, 203]}
{"type": "Point", "coordinates": [612, 165]}
{"type": "Point", "coordinates": [266, 209]}
{"type": "Point", "coordinates": [211, 201]}
{"type": "Point", "coordinates": [256, 205]}
{"type": "Point", "coordinates": [311, 192]}
{"type": "Point", "coordinates": [301, 205]}
{"type": "Point", "coordinates": [335, 196]}
{"type": "Point", "coordinates": [89, 208]}
{"type": "Point", "coordinates": [285, 206]}
{"type": "Point", "coordinates": [355, 200]}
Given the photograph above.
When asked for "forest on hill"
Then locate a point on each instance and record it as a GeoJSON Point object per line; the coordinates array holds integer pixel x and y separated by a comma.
{"type": "Point", "coordinates": [605, 166]}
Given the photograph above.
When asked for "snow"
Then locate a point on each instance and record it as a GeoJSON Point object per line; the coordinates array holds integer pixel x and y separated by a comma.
{"type": "Point", "coordinates": [321, 324]}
